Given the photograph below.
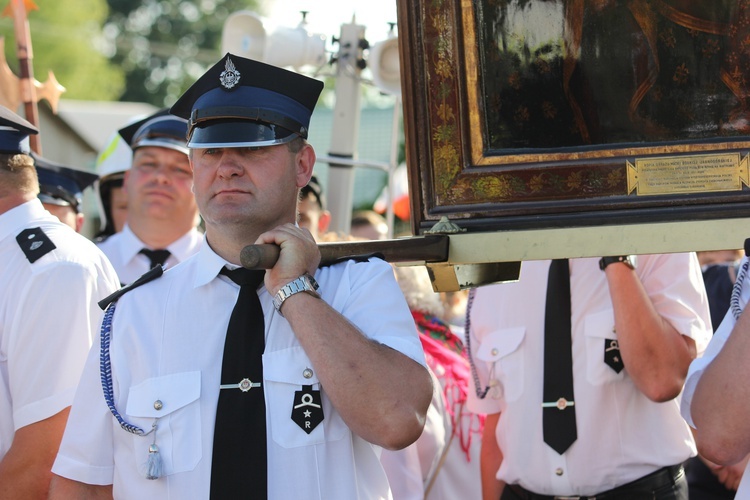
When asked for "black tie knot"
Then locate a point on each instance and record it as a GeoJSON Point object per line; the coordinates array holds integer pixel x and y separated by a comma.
{"type": "Point", "coordinates": [157, 257]}
{"type": "Point", "coordinates": [244, 277]}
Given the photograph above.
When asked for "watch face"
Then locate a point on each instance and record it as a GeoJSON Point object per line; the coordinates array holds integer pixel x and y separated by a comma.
{"type": "Point", "coordinates": [308, 283]}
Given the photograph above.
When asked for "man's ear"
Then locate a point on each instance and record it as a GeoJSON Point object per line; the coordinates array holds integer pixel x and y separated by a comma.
{"type": "Point", "coordinates": [305, 161]}
{"type": "Point", "coordinates": [79, 222]}
{"type": "Point", "coordinates": [324, 221]}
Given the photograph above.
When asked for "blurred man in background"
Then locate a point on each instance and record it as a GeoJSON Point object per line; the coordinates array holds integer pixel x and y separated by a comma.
{"type": "Point", "coordinates": [162, 215]}
{"type": "Point", "coordinates": [313, 215]}
{"type": "Point", "coordinates": [111, 166]}
{"type": "Point", "coordinates": [61, 190]}
{"type": "Point", "coordinates": [369, 225]}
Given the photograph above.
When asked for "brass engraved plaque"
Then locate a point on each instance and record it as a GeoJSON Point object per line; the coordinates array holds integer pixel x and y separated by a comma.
{"type": "Point", "coordinates": [688, 174]}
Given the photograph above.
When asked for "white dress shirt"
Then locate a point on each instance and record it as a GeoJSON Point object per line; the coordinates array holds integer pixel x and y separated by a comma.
{"type": "Point", "coordinates": [122, 251]}
{"type": "Point", "coordinates": [698, 366]}
{"type": "Point", "coordinates": [48, 317]}
{"type": "Point", "coordinates": [167, 345]}
{"type": "Point", "coordinates": [622, 435]}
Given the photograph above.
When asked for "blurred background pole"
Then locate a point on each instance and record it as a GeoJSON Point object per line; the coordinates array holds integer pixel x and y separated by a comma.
{"type": "Point", "coordinates": [25, 57]}
{"type": "Point", "coordinates": [345, 128]}
{"type": "Point", "coordinates": [390, 218]}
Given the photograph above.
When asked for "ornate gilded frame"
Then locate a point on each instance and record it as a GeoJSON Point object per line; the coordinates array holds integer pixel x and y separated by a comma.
{"type": "Point", "coordinates": [454, 173]}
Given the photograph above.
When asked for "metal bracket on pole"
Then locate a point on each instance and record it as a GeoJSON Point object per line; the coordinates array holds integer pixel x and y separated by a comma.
{"type": "Point", "coordinates": [452, 275]}
{"type": "Point", "coordinates": [447, 277]}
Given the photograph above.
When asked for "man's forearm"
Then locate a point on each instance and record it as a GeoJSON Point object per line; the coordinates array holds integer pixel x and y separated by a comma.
{"type": "Point", "coordinates": [721, 402]}
{"type": "Point", "coordinates": [656, 355]}
{"type": "Point", "coordinates": [381, 394]}
{"type": "Point", "coordinates": [23, 479]}
{"type": "Point", "coordinates": [65, 489]}
{"type": "Point", "coordinates": [25, 468]}
{"type": "Point", "coordinates": [490, 459]}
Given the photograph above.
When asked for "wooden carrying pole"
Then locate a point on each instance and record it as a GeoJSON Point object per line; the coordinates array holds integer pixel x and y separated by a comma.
{"type": "Point", "coordinates": [428, 248]}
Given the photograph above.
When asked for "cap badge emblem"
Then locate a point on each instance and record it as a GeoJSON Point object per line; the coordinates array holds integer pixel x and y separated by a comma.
{"type": "Point", "coordinates": [230, 76]}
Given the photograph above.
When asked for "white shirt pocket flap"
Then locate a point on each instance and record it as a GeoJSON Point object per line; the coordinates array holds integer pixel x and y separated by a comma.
{"type": "Point", "coordinates": [159, 396]}
{"type": "Point", "coordinates": [600, 325]}
{"type": "Point", "coordinates": [500, 343]}
{"type": "Point", "coordinates": [291, 366]}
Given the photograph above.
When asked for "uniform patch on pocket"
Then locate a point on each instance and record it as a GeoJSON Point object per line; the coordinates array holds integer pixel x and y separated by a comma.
{"type": "Point", "coordinates": [612, 355]}
{"type": "Point", "coordinates": [307, 411]}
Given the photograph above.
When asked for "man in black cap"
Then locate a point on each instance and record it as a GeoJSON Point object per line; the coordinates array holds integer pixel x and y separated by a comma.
{"type": "Point", "coordinates": [50, 281]}
{"type": "Point", "coordinates": [160, 227]}
{"type": "Point", "coordinates": [61, 190]}
{"type": "Point", "coordinates": [291, 393]}
{"type": "Point", "coordinates": [311, 208]}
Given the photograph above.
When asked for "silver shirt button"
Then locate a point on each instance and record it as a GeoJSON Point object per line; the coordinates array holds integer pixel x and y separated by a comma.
{"type": "Point", "coordinates": [158, 405]}
{"type": "Point", "coordinates": [307, 373]}
{"type": "Point", "coordinates": [559, 471]}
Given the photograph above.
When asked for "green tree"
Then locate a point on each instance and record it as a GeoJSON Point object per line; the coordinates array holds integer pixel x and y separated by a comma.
{"type": "Point", "coordinates": [165, 45]}
{"type": "Point", "coordinates": [66, 38]}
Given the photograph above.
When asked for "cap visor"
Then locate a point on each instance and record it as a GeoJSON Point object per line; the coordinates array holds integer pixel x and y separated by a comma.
{"type": "Point", "coordinates": [238, 134]}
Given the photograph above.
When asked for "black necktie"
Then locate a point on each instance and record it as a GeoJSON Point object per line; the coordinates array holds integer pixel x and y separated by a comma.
{"type": "Point", "coordinates": [558, 412]}
{"type": "Point", "coordinates": [157, 257]}
{"type": "Point", "coordinates": [239, 452]}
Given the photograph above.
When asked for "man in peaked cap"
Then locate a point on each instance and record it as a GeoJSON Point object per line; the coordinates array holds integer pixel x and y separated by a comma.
{"type": "Point", "coordinates": [50, 281]}
{"type": "Point", "coordinates": [160, 226]}
{"type": "Point", "coordinates": [61, 190]}
{"type": "Point", "coordinates": [289, 394]}
{"type": "Point", "coordinates": [313, 215]}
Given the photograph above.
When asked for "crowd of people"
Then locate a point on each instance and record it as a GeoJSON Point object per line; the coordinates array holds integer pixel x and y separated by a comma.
{"type": "Point", "coordinates": [147, 362]}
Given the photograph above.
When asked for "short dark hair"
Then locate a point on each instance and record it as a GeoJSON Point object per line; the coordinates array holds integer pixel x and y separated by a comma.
{"type": "Point", "coordinates": [296, 144]}
{"type": "Point", "coordinates": [18, 174]}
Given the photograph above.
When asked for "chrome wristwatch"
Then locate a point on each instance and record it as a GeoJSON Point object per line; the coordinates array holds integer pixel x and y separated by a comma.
{"type": "Point", "coordinates": [304, 283]}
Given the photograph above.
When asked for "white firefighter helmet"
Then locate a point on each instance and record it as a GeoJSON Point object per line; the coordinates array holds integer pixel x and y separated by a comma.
{"type": "Point", "coordinates": [113, 161]}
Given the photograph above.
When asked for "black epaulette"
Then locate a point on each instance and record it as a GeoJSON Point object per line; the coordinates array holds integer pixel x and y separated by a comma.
{"type": "Point", "coordinates": [355, 258]}
{"type": "Point", "coordinates": [154, 273]}
{"type": "Point", "coordinates": [34, 243]}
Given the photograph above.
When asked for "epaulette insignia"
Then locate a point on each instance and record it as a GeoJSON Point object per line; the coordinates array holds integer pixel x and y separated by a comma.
{"type": "Point", "coordinates": [154, 273]}
{"type": "Point", "coordinates": [355, 258]}
{"type": "Point", "coordinates": [34, 243]}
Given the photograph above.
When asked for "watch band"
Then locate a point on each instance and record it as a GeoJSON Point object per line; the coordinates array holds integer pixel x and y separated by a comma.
{"type": "Point", "coordinates": [304, 283]}
{"type": "Point", "coordinates": [625, 259]}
